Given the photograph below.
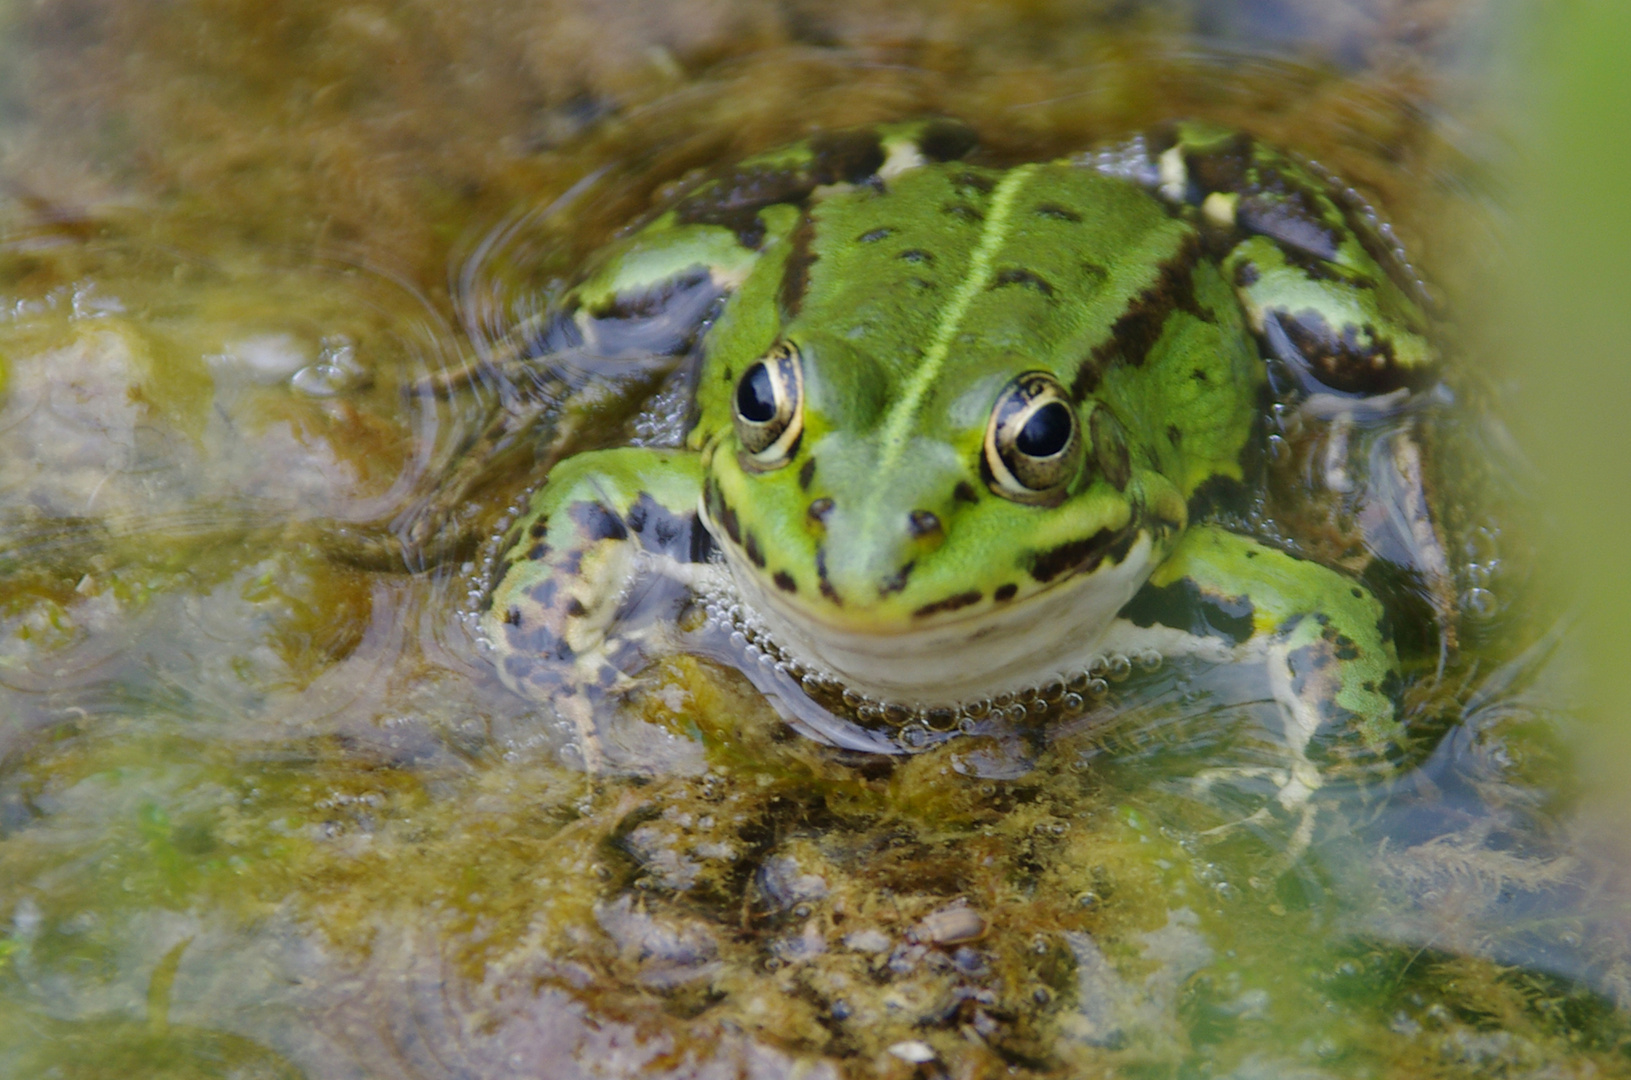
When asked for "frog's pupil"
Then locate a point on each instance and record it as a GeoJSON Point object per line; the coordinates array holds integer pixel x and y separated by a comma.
{"type": "Point", "coordinates": [755, 396]}
{"type": "Point", "coordinates": [1046, 432]}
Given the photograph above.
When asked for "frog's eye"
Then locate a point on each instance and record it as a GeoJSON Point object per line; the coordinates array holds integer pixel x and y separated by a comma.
{"type": "Point", "coordinates": [770, 408]}
{"type": "Point", "coordinates": [1033, 444]}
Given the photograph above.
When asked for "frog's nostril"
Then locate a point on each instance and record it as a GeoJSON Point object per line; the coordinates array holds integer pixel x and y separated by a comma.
{"type": "Point", "coordinates": [819, 509]}
{"type": "Point", "coordinates": [922, 523]}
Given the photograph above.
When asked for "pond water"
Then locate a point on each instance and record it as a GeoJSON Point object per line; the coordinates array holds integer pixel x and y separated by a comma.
{"type": "Point", "coordinates": [266, 809]}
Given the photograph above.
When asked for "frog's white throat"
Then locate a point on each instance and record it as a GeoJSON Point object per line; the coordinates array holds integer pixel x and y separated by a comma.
{"type": "Point", "coordinates": [1005, 649]}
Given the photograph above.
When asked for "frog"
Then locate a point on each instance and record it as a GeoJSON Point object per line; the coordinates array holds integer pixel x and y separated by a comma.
{"type": "Point", "coordinates": [958, 436]}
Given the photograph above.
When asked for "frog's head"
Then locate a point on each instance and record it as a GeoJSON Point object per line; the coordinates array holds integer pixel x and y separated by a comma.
{"type": "Point", "coordinates": [974, 539]}
{"type": "Point", "coordinates": [940, 477]}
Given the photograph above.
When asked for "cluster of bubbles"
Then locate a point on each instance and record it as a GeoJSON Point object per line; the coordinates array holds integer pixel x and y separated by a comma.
{"type": "Point", "coordinates": [916, 726]}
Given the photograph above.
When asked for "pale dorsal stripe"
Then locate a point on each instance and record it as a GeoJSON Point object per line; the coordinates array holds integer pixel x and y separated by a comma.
{"type": "Point", "coordinates": [899, 419]}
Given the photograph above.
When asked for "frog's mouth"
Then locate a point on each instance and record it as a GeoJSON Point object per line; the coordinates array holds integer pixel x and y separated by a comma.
{"type": "Point", "coordinates": [1047, 637]}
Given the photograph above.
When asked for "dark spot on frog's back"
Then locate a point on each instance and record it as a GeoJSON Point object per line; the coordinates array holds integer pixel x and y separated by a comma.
{"type": "Point", "coordinates": [538, 528]}
{"type": "Point", "coordinates": [1055, 212]}
{"type": "Point", "coordinates": [796, 272]}
{"type": "Point", "coordinates": [1018, 275]}
{"type": "Point", "coordinates": [1005, 593]}
{"type": "Point", "coordinates": [1140, 326]}
{"type": "Point", "coordinates": [872, 236]}
{"type": "Point", "coordinates": [950, 603]}
{"type": "Point", "coordinates": [963, 212]}
{"type": "Point", "coordinates": [964, 492]}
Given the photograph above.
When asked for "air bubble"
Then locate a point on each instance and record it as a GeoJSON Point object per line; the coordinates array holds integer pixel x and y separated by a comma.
{"type": "Point", "coordinates": [914, 737]}
{"type": "Point", "coordinates": [1480, 603]}
{"type": "Point", "coordinates": [1149, 659]}
{"type": "Point", "coordinates": [1119, 668]}
{"type": "Point", "coordinates": [1098, 688]}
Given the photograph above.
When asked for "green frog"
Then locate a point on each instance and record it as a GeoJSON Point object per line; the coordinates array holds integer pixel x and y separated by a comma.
{"type": "Point", "coordinates": [959, 435]}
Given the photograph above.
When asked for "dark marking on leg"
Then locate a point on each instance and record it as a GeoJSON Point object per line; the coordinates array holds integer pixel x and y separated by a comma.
{"type": "Point", "coordinates": [1290, 219]}
{"type": "Point", "coordinates": [595, 522]}
{"type": "Point", "coordinates": [702, 542]}
{"type": "Point", "coordinates": [784, 581]}
{"type": "Point", "coordinates": [751, 548]}
{"type": "Point", "coordinates": [575, 609]}
{"type": "Point", "coordinates": [807, 473]}
{"type": "Point", "coordinates": [538, 552]}
{"type": "Point", "coordinates": [538, 528]}
{"type": "Point", "coordinates": [1005, 593]}
{"type": "Point", "coordinates": [1184, 605]}
{"type": "Point", "coordinates": [512, 617]}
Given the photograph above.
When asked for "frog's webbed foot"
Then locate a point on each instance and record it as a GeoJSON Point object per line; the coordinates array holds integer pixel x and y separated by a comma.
{"type": "Point", "coordinates": [584, 596]}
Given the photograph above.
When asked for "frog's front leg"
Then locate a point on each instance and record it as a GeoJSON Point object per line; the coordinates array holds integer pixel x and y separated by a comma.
{"type": "Point", "coordinates": [1322, 638]}
{"type": "Point", "coordinates": [579, 606]}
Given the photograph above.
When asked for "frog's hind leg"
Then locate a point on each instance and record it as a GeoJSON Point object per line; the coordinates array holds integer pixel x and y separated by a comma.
{"type": "Point", "coordinates": [571, 616]}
